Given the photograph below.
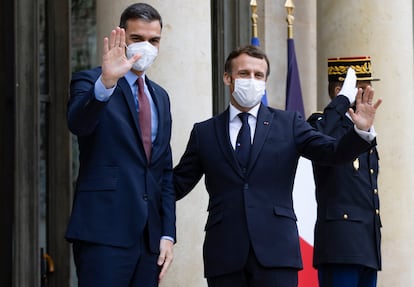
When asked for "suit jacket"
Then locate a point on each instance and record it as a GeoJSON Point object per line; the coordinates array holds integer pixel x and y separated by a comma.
{"type": "Point", "coordinates": [254, 208]}
{"type": "Point", "coordinates": [348, 223]}
{"type": "Point", "coordinates": [118, 193]}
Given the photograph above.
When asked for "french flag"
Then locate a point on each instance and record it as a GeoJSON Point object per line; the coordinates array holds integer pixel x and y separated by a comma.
{"type": "Point", "coordinates": [304, 187]}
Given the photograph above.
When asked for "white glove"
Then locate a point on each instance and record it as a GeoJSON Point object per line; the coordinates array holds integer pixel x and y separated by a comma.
{"type": "Point", "coordinates": [349, 88]}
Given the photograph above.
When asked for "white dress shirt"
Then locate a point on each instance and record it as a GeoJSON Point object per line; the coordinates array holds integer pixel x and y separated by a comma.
{"type": "Point", "coordinates": [235, 123]}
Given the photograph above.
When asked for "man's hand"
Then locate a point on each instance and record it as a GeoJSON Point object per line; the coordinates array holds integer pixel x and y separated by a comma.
{"type": "Point", "coordinates": [114, 61]}
{"type": "Point", "coordinates": [364, 115]}
{"type": "Point", "coordinates": [166, 256]}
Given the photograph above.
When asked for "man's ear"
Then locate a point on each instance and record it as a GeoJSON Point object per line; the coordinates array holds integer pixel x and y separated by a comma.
{"type": "Point", "coordinates": [227, 79]}
{"type": "Point", "coordinates": [337, 90]}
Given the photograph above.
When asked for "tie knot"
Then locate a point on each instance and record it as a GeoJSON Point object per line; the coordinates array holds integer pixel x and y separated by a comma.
{"type": "Point", "coordinates": [140, 82]}
{"type": "Point", "coordinates": [244, 117]}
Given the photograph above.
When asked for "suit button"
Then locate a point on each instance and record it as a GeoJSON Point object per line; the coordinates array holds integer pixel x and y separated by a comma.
{"type": "Point", "coordinates": [345, 216]}
{"type": "Point", "coordinates": [371, 151]}
{"type": "Point", "coordinates": [375, 191]}
{"type": "Point", "coordinates": [377, 211]}
{"type": "Point", "coordinates": [371, 171]}
{"type": "Point", "coordinates": [145, 197]}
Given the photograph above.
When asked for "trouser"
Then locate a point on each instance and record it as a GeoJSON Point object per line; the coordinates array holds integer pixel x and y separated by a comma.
{"type": "Point", "coordinates": [255, 275]}
{"type": "Point", "coordinates": [346, 275]}
{"type": "Point", "coordinates": [109, 266]}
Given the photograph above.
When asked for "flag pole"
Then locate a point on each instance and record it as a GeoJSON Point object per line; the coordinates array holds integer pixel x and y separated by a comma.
{"type": "Point", "coordinates": [290, 7]}
{"type": "Point", "coordinates": [255, 39]}
{"type": "Point", "coordinates": [294, 100]}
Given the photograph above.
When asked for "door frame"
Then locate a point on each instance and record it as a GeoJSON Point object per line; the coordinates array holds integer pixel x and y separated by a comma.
{"type": "Point", "coordinates": [230, 28]}
{"type": "Point", "coordinates": [20, 142]}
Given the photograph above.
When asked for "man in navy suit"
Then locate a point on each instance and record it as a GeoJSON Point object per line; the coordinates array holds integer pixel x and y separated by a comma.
{"type": "Point", "coordinates": [347, 247]}
{"type": "Point", "coordinates": [122, 224]}
{"type": "Point", "coordinates": [251, 237]}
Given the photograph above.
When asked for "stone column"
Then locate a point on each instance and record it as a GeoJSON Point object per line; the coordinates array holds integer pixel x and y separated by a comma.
{"type": "Point", "coordinates": [183, 68]}
{"type": "Point", "coordinates": [384, 31]}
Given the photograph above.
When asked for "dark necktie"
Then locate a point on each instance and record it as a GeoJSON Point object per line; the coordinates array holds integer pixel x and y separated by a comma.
{"type": "Point", "coordinates": [243, 143]}
{"type": "Point", "coordinates": [144, 116]}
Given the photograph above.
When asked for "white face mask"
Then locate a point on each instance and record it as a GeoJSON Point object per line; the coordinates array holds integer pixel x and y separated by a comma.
{"type": "Point", "coordinates": [248, 92]}
{"type": "Point", "coordinates": [148, 54]}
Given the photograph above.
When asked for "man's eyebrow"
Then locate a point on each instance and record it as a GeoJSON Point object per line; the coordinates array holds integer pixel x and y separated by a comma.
{"type": "Point", "coordinates": [137, 36]}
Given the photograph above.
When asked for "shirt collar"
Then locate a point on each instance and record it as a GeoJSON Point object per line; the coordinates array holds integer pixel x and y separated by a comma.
{"type": "Point", "coordinates": [235, 111]}
{"type": "Point", "coordinates": [131, 77]}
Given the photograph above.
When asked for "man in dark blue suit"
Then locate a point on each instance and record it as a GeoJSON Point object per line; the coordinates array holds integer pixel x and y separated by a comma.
{"type": "Point", "coordinates": [248, 156]}
{"type": "Point", "coordinates": [347, 251]}
{"type": "Point", "coordinates": [122, 224]}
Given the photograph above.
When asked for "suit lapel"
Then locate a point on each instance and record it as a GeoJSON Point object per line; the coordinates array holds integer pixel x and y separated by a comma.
{"type": "Point", "coordinates": [129, 98]}
{"type": "Point", "coordinates": [161, 113]}
{"type": "Point", "coordinates": [221, 124]}
{"type": "Point", "coordinates": [263, 124]}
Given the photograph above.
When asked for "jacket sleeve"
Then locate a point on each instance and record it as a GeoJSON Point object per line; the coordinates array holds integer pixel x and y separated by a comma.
{"type": "Point", "coordinates": [333, 121]}
{"type": "Point", "coordinates": [189, 170]}
{"type": "Point", "coordinates": [327, 150]}
{"type": "Point", "coordinates": [83, 109]}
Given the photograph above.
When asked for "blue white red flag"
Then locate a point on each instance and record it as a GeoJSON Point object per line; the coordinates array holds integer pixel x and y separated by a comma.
{"type": "Point", "coordinates": [304, 187]}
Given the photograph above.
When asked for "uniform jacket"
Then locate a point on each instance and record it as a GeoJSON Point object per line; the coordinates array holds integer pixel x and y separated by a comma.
{"type": "Point", "coordinates": [254, 207]}
{"type": "Point", "coordinates": [348, 223]}
{"type": "Point", "coordinates": [117, 192]}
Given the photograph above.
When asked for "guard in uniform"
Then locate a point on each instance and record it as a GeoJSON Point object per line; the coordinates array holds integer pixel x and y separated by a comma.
{"type": "Point", "coordinates": [347, 251]}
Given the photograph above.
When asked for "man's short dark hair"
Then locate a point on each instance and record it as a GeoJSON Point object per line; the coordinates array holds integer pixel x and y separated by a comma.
{"type": "Point", "coordinates": [250, 50]}
{"type": "Point", "coordinates": [332, 85]}
{"type": "Point", "coordinates": [141, 11]}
